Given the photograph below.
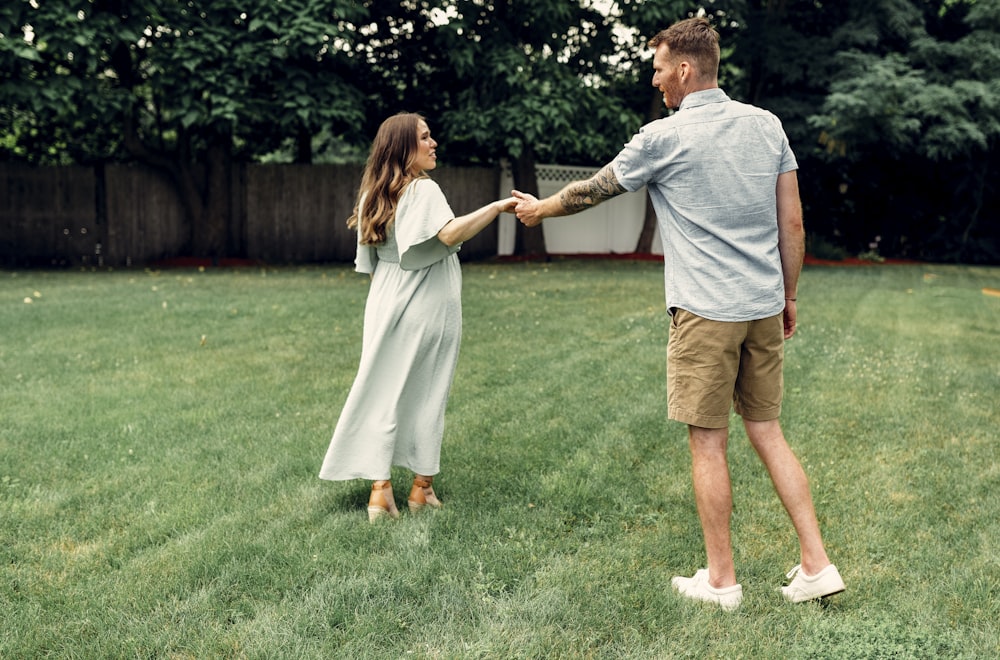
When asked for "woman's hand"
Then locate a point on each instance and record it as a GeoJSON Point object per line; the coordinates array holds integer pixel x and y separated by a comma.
{"type": "Point", "coordinates": [507, 205]}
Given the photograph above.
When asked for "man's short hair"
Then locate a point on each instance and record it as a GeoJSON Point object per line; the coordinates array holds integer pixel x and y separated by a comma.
{"type": "Point", "coordinates": [694, 39]}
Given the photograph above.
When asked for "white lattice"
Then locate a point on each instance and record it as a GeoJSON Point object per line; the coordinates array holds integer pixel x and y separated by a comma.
{"type": "Point", "coordinates": [560, 174]}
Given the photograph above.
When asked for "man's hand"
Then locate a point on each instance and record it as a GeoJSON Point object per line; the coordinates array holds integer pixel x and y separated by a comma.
{"type": "Point", "coordinates": [527, 209]}
{"type": "Point", "coordinates": [790, 318]}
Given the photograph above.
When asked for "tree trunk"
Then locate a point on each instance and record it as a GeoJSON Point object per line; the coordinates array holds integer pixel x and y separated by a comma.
{"type": "Point", "coordinates": [206, 198]}
{"type": "Point", "coordinates": [981, 177]}
{"type": "Point", "coordinates": [303, 146]}
{"type": "Point", "coordinates": [210, 233]}
{"type": "Point", "coordinates": [645, 243]}
{"type": "Point", "coordinates": [528, 241]}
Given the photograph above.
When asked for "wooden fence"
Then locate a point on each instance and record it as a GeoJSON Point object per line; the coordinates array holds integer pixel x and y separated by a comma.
{"type": "Point", "coordinates": [129, 215]}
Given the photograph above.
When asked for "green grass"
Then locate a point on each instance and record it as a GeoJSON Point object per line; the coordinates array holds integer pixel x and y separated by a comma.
{"type": "Point", "coordinates": [161, 434]}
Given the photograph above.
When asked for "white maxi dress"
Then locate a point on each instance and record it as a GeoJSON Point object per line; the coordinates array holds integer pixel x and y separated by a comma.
{"type": "Point", "coordinates": [394, 413]}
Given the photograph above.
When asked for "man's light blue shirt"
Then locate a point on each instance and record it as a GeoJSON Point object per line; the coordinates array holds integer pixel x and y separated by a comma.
{"type": "Point", "coordinates": [711, 169]}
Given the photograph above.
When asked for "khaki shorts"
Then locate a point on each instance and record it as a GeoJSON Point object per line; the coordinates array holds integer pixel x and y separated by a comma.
{"type": "Point", "coordinates": [712, 365]}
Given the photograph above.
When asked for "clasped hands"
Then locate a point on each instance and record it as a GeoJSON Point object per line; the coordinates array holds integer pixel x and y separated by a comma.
{"type": "Point", "coordinates": [526, 207]}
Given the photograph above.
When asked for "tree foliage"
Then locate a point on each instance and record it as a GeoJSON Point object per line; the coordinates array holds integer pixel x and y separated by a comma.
{"type": "Point", "coordinates": [910, 123]}
{"type": "Point", "coordinates": [186, 72]}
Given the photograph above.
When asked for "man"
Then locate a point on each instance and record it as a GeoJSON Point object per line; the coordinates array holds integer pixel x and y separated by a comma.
{"type": "Point", "coordinates": [722, 179]}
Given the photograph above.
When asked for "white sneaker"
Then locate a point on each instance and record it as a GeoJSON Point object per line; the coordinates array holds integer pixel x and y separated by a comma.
{"type": "Point", "coordinates": [810, 587]}
{"type": "Point", "coordinates": [698, 588]}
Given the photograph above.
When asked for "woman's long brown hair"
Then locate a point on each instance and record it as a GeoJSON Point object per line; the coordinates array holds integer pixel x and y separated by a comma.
{"type": "Point", "coordinates": [388, 170]}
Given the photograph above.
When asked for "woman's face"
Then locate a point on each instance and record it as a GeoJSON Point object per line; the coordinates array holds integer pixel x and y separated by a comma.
{"type": "Point", "coordinates": [426, 156]}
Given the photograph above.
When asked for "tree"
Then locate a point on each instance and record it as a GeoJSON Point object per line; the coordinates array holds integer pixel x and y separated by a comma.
{"type": "Point", "coordinates": [532, 81]}
{"type": "Point", "coordinates": [912, 118]}
{"type": "Point", "coordinates": [186, 87]}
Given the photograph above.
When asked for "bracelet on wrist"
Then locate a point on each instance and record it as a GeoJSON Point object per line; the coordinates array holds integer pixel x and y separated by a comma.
{"type": "Point", "coordinates": [792, 299]}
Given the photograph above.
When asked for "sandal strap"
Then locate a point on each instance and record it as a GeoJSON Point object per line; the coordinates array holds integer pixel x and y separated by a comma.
{"type": "Point", "coordinates": [422, 483]}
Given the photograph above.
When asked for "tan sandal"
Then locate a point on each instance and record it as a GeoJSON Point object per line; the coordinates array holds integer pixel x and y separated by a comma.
{"type": "Point", "coordinates": [381, 502]}
{"type": "Point", "coordinates": [422, 494]}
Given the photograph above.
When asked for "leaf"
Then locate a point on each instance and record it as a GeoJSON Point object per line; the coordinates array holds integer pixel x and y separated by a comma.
{"type": "Point", "coordinates": [190, 118]}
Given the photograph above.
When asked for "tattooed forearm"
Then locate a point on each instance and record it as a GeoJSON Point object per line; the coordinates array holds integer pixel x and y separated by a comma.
{"type": "Point", "coordinates": [582, 195]}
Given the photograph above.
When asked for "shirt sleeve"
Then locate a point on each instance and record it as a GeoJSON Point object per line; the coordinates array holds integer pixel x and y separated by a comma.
{"type": "Point", "coordinates": [421, 213]}
{"type": "Point", "coordinates": [631, 168]}
{"type": "Point", "coordinates": [788, 162]}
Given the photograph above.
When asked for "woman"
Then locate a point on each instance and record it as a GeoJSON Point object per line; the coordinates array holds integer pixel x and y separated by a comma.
{"type": "Point", "coordinates": [408, 238]}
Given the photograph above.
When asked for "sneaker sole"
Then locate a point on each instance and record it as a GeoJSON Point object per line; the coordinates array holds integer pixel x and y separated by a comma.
{"type": "Point", "coordinates": [811, 598]}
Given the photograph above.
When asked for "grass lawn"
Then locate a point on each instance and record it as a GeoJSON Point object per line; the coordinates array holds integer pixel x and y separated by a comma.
{"type": "Point", "coordinates": [161, 434]}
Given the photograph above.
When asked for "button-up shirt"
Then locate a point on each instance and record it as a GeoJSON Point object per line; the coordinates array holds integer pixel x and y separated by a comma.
{"type": "Point", "coordinates": [711, 169]}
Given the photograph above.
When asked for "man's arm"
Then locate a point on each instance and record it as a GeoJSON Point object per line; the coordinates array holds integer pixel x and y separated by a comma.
{"type": "Point", "coordinates": [573, 198]}
{"type": "Point", "coordinates": [791, 242]}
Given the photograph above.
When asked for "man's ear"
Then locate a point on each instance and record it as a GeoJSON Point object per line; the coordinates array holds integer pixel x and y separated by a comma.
{"type": "Point", "coordinates": [685, 70]}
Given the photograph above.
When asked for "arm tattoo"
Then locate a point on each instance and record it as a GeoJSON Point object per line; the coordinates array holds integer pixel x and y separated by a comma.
{"type": "Point", "coordinates": [582, 195]}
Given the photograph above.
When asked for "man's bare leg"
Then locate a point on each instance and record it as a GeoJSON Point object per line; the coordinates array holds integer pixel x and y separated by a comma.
{"type": "Point", "coordinates": [792, 486]}
{"type": "Point", "coordinates": [714, 499]}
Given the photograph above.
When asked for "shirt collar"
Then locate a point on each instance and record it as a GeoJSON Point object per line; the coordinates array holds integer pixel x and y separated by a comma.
{"type": "Point", "coordinates": [704, 97]}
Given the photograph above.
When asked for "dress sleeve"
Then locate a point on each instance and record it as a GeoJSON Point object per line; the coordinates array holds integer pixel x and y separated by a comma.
{"type": "Point", "coordinates": [366, 257]}
{"type": "Point", "coordinates": [420, 215]}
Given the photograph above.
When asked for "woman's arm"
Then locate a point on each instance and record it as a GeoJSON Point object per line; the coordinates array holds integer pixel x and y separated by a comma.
{"type": "Point", "coordinates": [464, 227]}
